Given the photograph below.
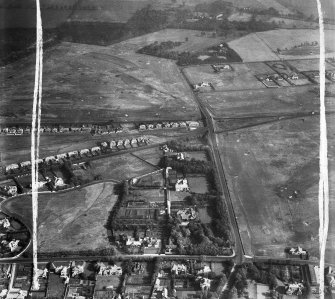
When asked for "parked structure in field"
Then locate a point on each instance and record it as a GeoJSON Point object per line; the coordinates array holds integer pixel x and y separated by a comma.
{"type": "Point", "coordinates": [221, 67]}
{"type": "Point", "coordinates": [293, 76]}
{"type": "Point", "coordinates": [298, 251]}
{"type": "Point", "coordinates": [199, 86]}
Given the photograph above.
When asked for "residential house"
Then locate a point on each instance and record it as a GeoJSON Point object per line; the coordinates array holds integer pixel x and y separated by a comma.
{"type": "Point", "coordinates": [54, 130]}
{"type": "Point", "coordinates": [104, 144]}
{"type": "Point", "coordinates": [175, 125]}
{"type": "Point", "coordinates": [187, 214]}
{"type": "Point", "coordinates": [182, 185]}
{"type": "Point", "coordinates": [182, 124]}
{"type": "Point", "coordinates": [294, 288]}
{"type": "Point", "coordinates": [75, 128]}
{"type": "Point", "coordinates": [142, 127]}
{"type": "Point", "coordinates": [179, 269]}
{"type": "Point", "coordinates": [159, 126]}
{"type": "Point", "coordinates": [330, 276]}
{"type": "Point", "coordinates": [25, 164]}
{"type": "Point", "coordinates": [27, 130]}
{"type": "Point", "coordinates": [61, 156]}
{"type": "Point", "coordinates": [150, 126]}
{"type": "Point", "coordinates": [14, 245]}
{"type": "Point", "coordinates": [11, 131]}
{"type": "Point", "coordinates": [12, 167]}
{"type": "Point", "coordinates": [8, 190]}
{"type": "Point", "coordinates": [133, 142]}
{"type": "Point", "coordinates": [109, 270]}
{"type": "Point", "coordinates": [112, 144]}
{"type": "Point", "coordinates": [50, 159]}
{"type": "Point", "coordinates": [204, 270]}
{"type": "Point", "coordinates": [119, 144]}
{"type": "Point", "coordinates": [47, 129]}
{"type": "Point", "coordinates": [73, 154]}
{"type": "Point", "coordinates": [95, 150]}
{"type": "Point", "coordinates": [192, 124]}
{"type": "Point", "coordinates": [19, 131]}
{"type": "Point", "coordinates": [127, 143]}
{"type": "Point", "coordinates": [84, 151]}
{"type": "Point", "coordinates": [205, 283]}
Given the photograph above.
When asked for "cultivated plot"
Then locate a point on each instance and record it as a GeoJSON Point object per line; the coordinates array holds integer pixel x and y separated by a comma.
{"type": "Point", "coordinates": [272, 173]}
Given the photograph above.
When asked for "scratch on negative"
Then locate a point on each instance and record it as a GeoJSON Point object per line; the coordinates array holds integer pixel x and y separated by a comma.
{"type": "Point", "coordinates": [35, 136]}
{"type": "Point", "coordinates": [323, 197]}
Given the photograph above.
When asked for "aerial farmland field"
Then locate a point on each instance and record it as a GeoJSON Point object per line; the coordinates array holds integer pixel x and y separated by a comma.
{"type": "Point", "coordinates": [273, 174]}
{"type": "Point", "coordinates": [69, 221]}
{"type": "Point", "coordinates": [263, 46]}
{"type": "Point", "coordinates": [265, 102]}
{"type": "Point", "coordinates": [97, 83]}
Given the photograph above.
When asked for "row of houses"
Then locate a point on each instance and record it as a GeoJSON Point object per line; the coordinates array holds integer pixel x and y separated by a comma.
{"type": "Point", "coordinates": [88, 128]}
{"type": "Point", "coordinates": [96, 150]}
{"type": "Point", "coordinates": [169, 125]}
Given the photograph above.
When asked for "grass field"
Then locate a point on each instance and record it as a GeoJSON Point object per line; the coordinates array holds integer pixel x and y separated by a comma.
{"type": "Point", "coordinates": [262, 46]}
{"type": "Point", "coordinates": [71, 220]}
{"type": "Point", "coordinates": [265, 165]}
{"type": "Point", "coordinates": [120, 167]}
{"type": "Point", "coordinates": [197, 184]}
{"type": "Point", "coordinates": [97, 83]}
{"type": "Point", "coordinates": [240, 77]}
{"type": "Point", "coordinates": [265, 102]}
{"type": "Point", "coordinates": [303, 65]}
